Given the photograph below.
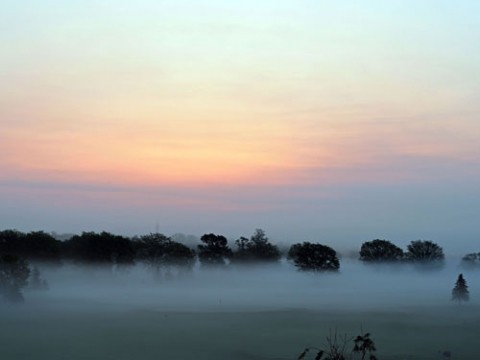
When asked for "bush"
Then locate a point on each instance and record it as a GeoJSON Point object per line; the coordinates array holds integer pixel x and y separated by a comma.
{"type": "Point", "coordinates": [336, 348]}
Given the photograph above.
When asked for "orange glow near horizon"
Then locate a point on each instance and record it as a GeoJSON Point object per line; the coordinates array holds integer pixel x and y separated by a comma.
{"type": "Point", "coordinates": [210, 152]}
{"type": "Point", "coordinates": [193, 155]}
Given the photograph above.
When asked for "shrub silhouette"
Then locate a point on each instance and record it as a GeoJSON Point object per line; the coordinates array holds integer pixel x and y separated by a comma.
{"type": "Point", "coordinates": [336, 348]}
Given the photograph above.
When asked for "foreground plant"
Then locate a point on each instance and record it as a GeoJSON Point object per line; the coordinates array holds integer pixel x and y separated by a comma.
{"type": "Point", "coordinates": [364, 345]}
{"type": "Point", "coordinates": [336, 346]}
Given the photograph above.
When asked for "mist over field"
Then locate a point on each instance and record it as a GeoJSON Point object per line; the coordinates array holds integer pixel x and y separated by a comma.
{"type": "Point", "coordinates": [244, 312]}
{"type": "Point", "coordinates": [255, 287]}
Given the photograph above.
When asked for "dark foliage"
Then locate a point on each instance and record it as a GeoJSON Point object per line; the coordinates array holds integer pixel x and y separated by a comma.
{"type": "Point", "coordinates": [214, 251]}
{"type": "Point", "coordinates": [292, 251]}
{"type": "Point", "coordinates": [364, 345]}
{"type": "Point", "coordinates": [34, 246]}
{"type": "Point", "coordinates": [159, 250]}
{"type": "Point", "coordinates": [42, 247]}
{"type": "Point", "coordinates": [256, 249]}
{"type": "Point", "coordinates": [314, 257]}
{"type": "Point", "coordinates": [424, 251]}
{"type": "Point", "coordinates": [460, 291]}
{"type": "Point", "coordinates": [101, 249]}
{"type": "Point", "coordinates": [14, 273]}
{"type": "Point", "coordinates": [12, 242]}
{"type": "Point", "coordinates": [380, 251]}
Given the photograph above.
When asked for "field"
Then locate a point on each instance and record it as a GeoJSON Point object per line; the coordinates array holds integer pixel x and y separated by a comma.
{"type": "Point", "coordinates": [260, 313]}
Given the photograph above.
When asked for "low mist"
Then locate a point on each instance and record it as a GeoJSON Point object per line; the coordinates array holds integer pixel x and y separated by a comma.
{"type": "Point", "coordinates": [251, 288]}
{"type": "Point", "coordinates": [240, 312]}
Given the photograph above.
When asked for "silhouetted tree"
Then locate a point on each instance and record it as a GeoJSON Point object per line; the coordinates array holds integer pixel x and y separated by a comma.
{"type": "Point", "coordinates": [14, 273]}
{"type": "Point", "coordinates": [256, 249]}
{"type": "Point", "coordinates": [42, 247]}
{"type": "Point", "coordinates": [242, 245]}
{"type": "Point", "coordinates": [34, 246]}
{"type": "Point", "coordinates": [163, 254]}
{"type": "Point", "coordinates": [460, 291]}
{"type": "Point", "coordinates": [214, 250]}
{"type": "Point", "coordinates": [100, 249]}
{"type": "Point", "coordinates": [12, 242]}
{"type": "Point", "coordinates": [424, 251]}
{"type": "Point", "coordinates": [292, 251]}
{"type": "Point", "coordinates": [380, 251]}
{"type": "Point", "coordinates": [151, 248]}
{"type": "Point", "coordinates": [314, 257]}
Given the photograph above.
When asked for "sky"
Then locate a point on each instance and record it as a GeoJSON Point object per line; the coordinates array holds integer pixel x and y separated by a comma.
{"type": "Point", "coordinates": [328, 121]}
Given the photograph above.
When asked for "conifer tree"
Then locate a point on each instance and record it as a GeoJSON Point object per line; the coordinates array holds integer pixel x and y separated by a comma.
{"type": "Point", "coordinates": [460, 291]}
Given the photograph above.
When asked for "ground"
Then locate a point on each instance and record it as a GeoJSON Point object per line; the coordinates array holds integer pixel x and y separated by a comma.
{"type": "Point", "coordinates": [261, 313]}
{"type": "Point", "coordinates": [100, 332]}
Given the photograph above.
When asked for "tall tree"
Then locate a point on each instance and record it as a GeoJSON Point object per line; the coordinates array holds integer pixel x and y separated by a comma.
{"type": "Point", "coordinates": [34, 246]}
{"type": "Point", "coordinates": [42, 246]}
{"type": "Point", "coordinates": [214, 251]}
{"type": "Point", "coordinates": [12, 242]}
{"type": "Point", "coordinates": [256, 249]}
{"type": "Point", "coordinates": [460, 291]}
{"type": "Point", "coordinates": [101, 249]}
{"type": "Point", "coordinates": [163, 254]}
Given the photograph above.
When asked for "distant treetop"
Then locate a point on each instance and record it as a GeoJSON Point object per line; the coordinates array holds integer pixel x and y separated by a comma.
{"type": "Point", "coordinates": [424, 251]}
{"type": "Point", "coordinates": [256, 249]}
{"type": "Point", "coordinates": [314, 257]}
{"type": "Point", "coordinates": [214, 251]}
{"type": "Point", "coordinates": [380, 251]}
{"type": "Point", "coordinates": [460, 291]}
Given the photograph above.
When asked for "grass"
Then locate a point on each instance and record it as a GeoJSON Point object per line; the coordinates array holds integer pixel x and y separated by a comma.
{"type": "Point", "coordinates": [117, 334]}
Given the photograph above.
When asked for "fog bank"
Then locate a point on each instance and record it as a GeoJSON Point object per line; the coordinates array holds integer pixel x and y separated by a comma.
{"type": "Point", "coordinates": [252, 288]}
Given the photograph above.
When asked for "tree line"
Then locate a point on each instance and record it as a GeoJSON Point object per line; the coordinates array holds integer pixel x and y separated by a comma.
{"type": "Point", "coordinates": [105, 248]}
{"type": "Point", "coordinates": [213, 249]}
{"type": "Point", "coordinates": [168, 257]}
